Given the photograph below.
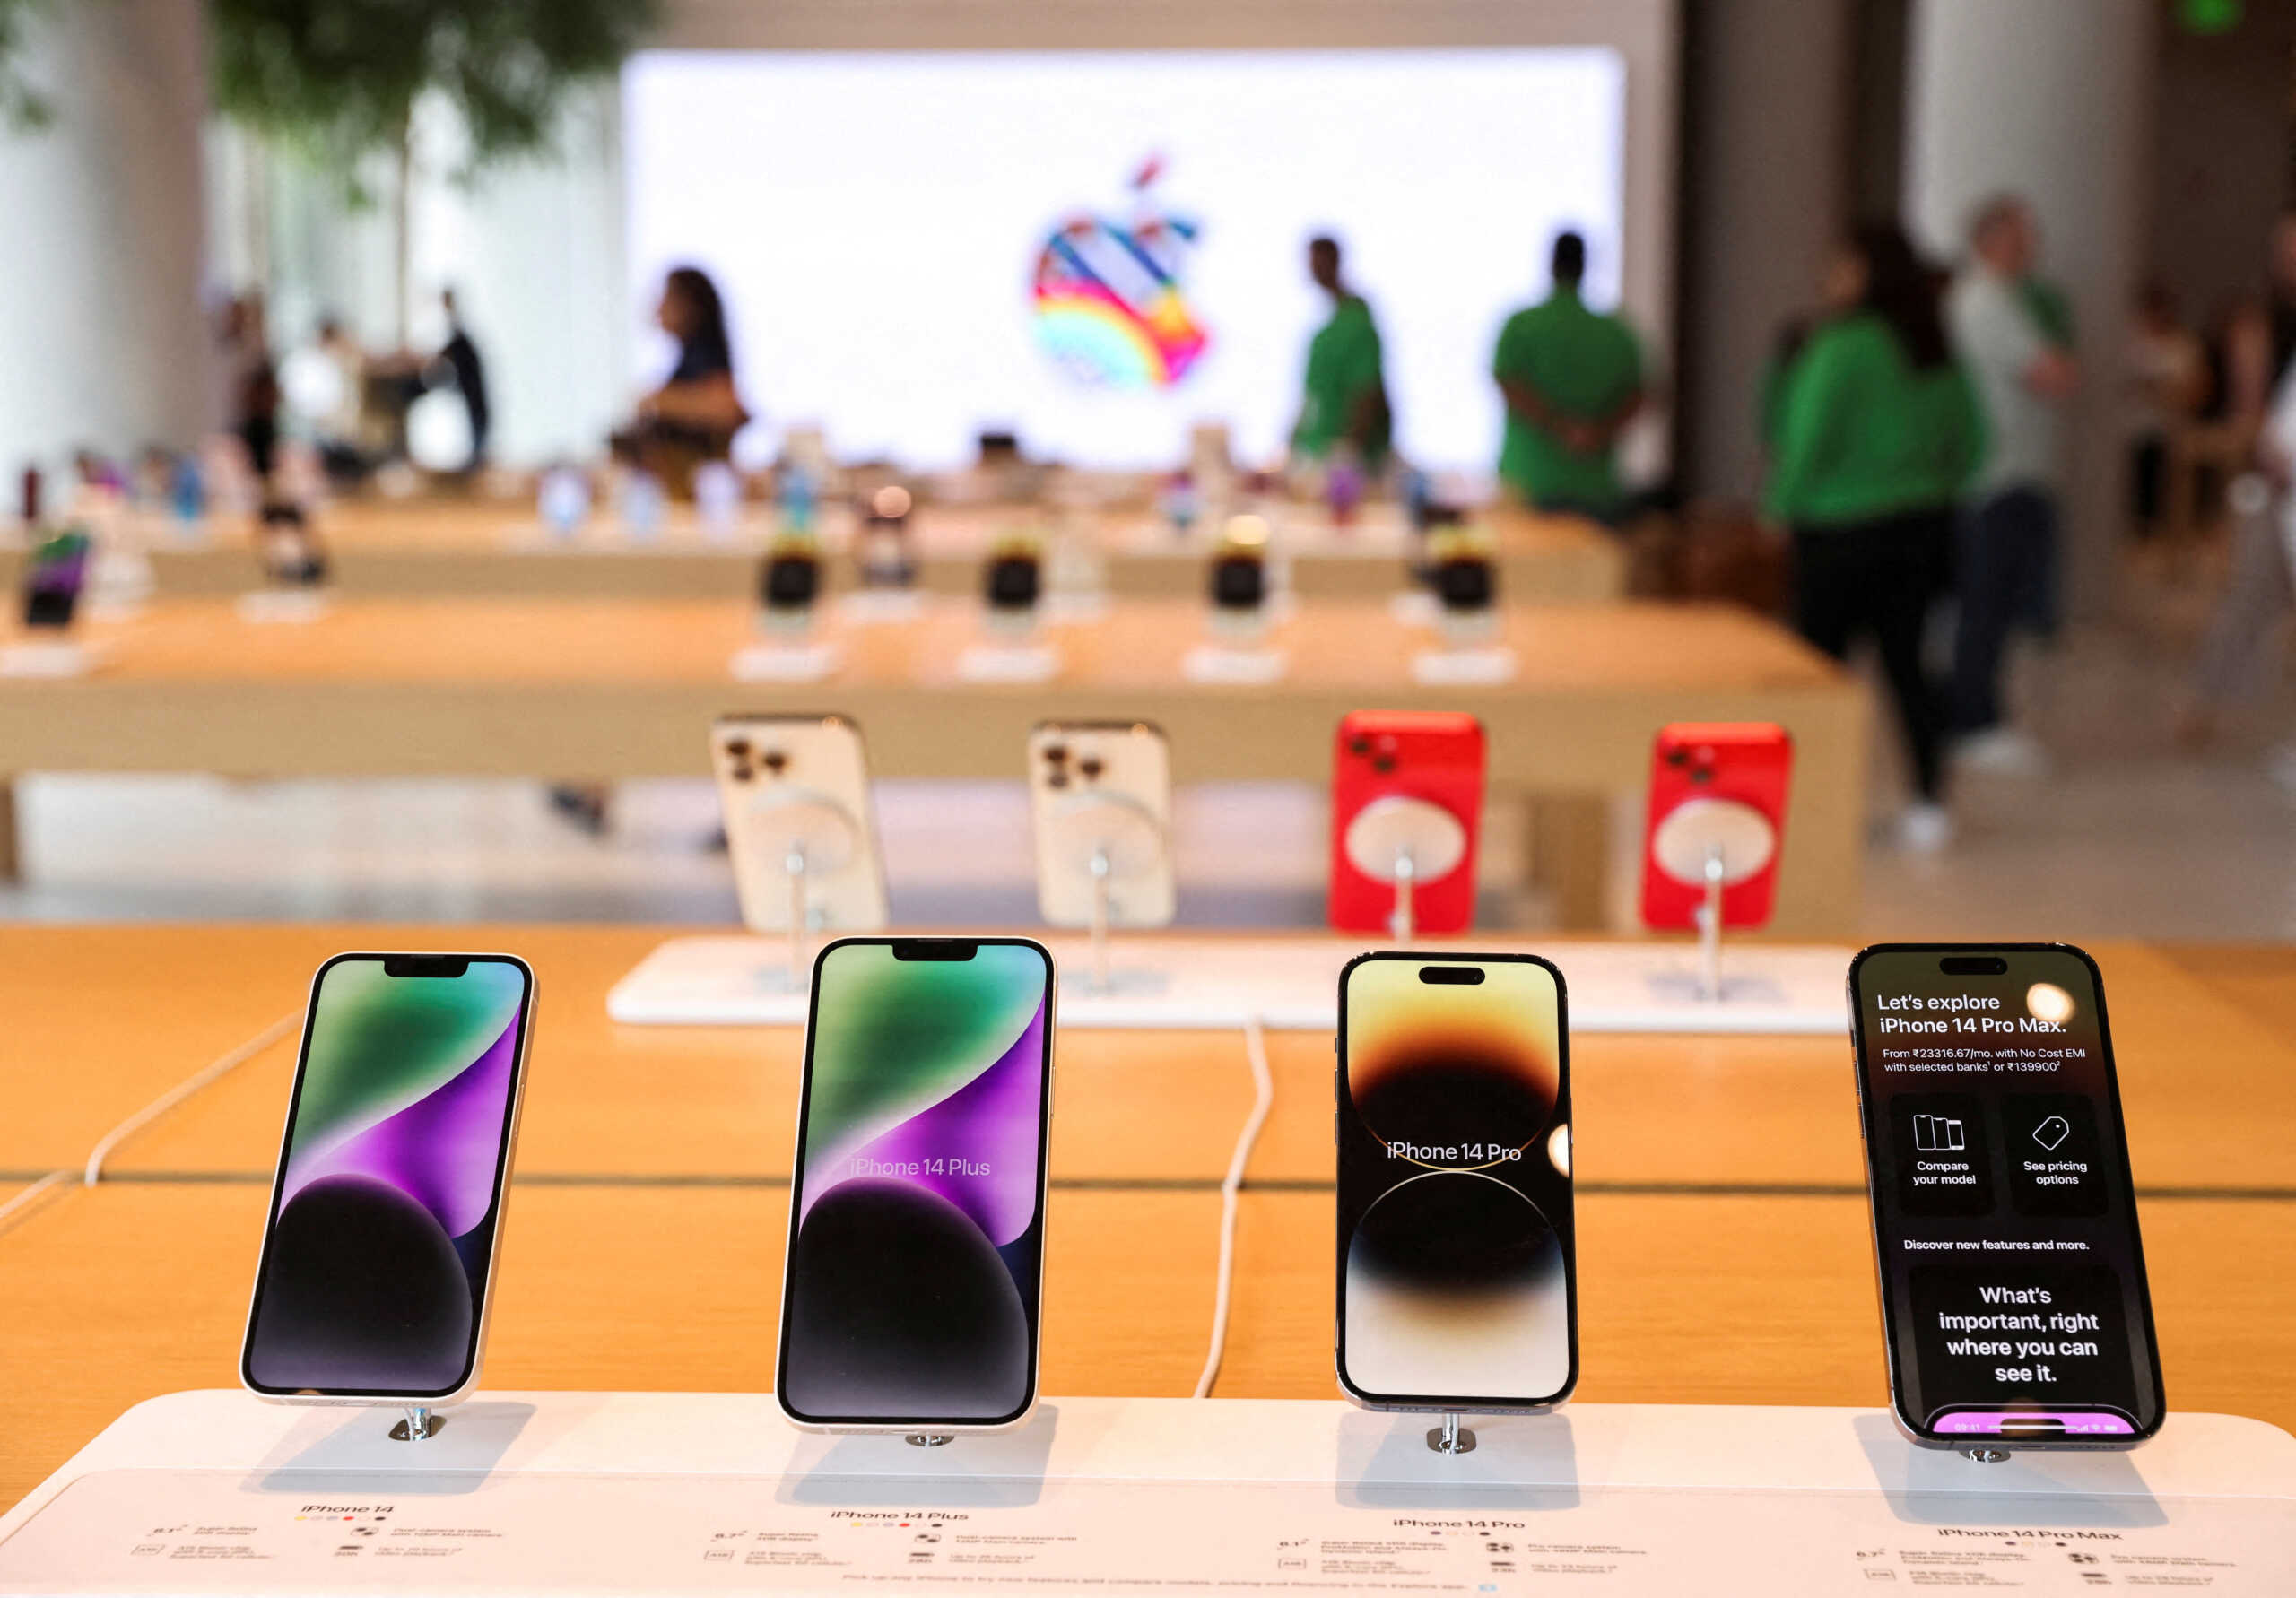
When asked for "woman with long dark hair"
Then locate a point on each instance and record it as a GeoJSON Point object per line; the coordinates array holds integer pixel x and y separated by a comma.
{"type": "Point", "coordinates": [1877, 432]}
{"type": "Point", "coordinates": [693, 417]}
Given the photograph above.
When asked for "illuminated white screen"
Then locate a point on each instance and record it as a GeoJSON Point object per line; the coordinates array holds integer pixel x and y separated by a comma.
{"type": "Point", "coordinates": [874, 221]}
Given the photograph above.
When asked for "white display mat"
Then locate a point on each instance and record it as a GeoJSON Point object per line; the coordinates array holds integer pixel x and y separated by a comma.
{"type": "Point", "coordinates": [676, 1493]}
{"type": "Point", "coordinates": [1289, 984]}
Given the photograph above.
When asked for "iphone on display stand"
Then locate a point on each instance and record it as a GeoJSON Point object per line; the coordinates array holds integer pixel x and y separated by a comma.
{"type": "Point", "coordinates": [1458, 1253]}
{"type": "Point", "coordinates": [54, 581]}
{"type": "Point", "coordinates": [794, 792]}
{"type": "Point", "coordinates": [2014, 1306]}
{"type": "Point", "coordinates": [1713, 828]}
{"type": "Point", "coordinates": [379, 1248]}
{"type": "Point", "coordinates": [911, 1294]}
{"type": "Point", "coordinates": [1101, 796]}
{"type": "Point", "coordinates": [1407, 800]}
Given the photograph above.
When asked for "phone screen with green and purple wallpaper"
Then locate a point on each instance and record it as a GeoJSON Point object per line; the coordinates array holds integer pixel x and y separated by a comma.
{"type": "Point", "coordinates": [916, 1228]}
{"type": "Point", "coordinates": [374, 1272]}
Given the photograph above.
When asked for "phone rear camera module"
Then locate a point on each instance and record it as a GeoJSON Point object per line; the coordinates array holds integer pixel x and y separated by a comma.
{"type": "Point", "coordinates": [1384, 764]}
{"type": "Point", "coordinates": [1056, 752]}
{"type": "Point", "coordinates": [1090, 767]}
{"type": "Point", "coordinates": [775, 761]}
{"type": "Point", "coordinates": [1358, 746]}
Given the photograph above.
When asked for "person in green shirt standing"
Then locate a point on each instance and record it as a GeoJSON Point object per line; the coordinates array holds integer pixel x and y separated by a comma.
{"type": "Point", "coordinates": [1346, 398]}
{"type": "Point", "coordinates": [1572, 379]}
{"type": "Point", "coordinates": [1877, 433]}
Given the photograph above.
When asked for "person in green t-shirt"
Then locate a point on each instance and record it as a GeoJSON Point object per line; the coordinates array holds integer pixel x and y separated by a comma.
{"type": "Point", "coordinates": [1346, 397]}
{"type": "Point", "coordinates": [1877, 432]}
{"type": "Point", "coordinates": [1572, 379]}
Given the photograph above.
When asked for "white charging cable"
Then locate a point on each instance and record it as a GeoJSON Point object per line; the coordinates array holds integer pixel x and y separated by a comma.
{"type": "Point", "coordinates": [184, 1089]}
{"type": "Point", "coordinates": [24, 1200]}
{"type": "Point", "coordinates": [1264, 1100]}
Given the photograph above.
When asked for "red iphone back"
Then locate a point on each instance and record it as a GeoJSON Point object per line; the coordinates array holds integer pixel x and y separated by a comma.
{"type": "Point", "coordinates": [1434, 755]}
{"type": "Point", "coordinates": [1749, 761]}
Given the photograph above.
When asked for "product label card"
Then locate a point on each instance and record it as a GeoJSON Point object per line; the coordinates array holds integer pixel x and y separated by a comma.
{"type": "Point", "coordinates": [208, 1532]}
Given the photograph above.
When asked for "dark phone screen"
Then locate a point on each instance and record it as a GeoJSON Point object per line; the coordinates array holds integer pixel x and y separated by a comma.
{"type": "Point", "coordinates": [1465, 585]}
{"type": "Point", "coordinates": [791, 582]}
{"type": "Point", "coordinates": [918, 1230]}
{"type": "Point", "coordinates": [1238, 582]}
{"type": "Point", "coordinates": [383, 1216]}
{"type": "Point", "coordinates": [2013, 1282]}
{"type": "Point", "coordinates": [1014, 582]}
{"type": "Point", "coordinates": [1456, 1279]}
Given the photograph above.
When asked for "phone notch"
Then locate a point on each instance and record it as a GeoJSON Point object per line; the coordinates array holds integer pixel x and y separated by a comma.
{"type": "Point", "coordinates": [425, 964]}
{"type": "Point", "coordinates": [1973, 964]}
{"type": "Point", "coordinates": [935, 949]}
{"type": "Point", "coordinates": [1451, 975]}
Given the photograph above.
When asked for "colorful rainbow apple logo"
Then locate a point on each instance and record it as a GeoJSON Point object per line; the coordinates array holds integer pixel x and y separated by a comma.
{"type": "Point", "coordinates": [1108, 298]}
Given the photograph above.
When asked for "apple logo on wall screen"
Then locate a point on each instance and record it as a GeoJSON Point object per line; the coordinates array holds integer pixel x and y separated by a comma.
{"type": "Point", "coordinates": [1108, 299]}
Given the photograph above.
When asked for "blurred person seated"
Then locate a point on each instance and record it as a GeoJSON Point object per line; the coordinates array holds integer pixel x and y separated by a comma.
{"type": "Point", "coordinates": [2013, 331]}
{"type": "Point", "coordinates": [325, 385]}
{"type": "Point", "coordinates": [693, 417]}
{"type": "Point", "coordinates": [1878, 433]}
{"type": "Point", "coordinates": [1572, 379]}
{"type": "Point", "coordinates": [1345, 406]}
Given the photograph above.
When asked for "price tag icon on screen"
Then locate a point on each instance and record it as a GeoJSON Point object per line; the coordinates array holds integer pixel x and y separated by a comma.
{"type": "Point", "coordinates": [2052, 1132]}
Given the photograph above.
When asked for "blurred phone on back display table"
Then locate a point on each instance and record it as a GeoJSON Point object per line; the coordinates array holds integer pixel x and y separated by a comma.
{"type": "Point", "coordinates": [1106, 786]}
{"type": "Point", "coordinates": [804, 779]}
{"type": "Point", "coordinates": [1716, 780]}
{"type": "Point", "coordinates": [1383, 762]}
{"type": "Point", "coordinates": [54, 579]}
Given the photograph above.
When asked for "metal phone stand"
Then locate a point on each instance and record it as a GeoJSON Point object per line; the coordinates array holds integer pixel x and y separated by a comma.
{"type": "Point", "coordinates": [1712, 844]}
{"type": "Point", "coordinates": [1114, 840]}
{"type": "Point", "coordinates": [419, 1425]}
{"type": "Point", "coordinates": [1406, 841]}
{"type": "Point", "coordinates": [1450, 1437]}
{"type": "Point", "coordinates": [813, 835]}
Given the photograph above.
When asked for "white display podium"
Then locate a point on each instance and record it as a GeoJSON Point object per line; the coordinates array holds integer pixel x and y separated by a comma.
{"type": "Point", "coordinates": [1288, 984]}
{"type": "Point", "coordinates": [675, 1493]}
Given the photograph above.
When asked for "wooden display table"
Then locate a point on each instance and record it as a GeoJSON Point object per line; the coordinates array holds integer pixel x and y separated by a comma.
{"type": "Point", "coordinates": [473, 549]}
{"type": "Point", "coordinates": [1725, 1255]}
{"type": "Point", "coordinates": [606, 690]}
